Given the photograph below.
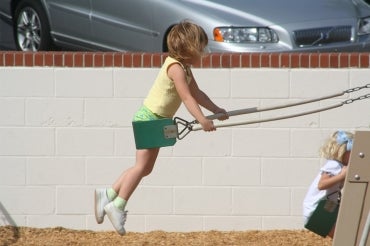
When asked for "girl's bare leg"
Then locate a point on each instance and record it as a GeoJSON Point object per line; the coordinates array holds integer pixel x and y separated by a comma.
{"type": "Point", "coordinates": [130, 179]}
{"type": "Point", "coordinates": [331, 233]}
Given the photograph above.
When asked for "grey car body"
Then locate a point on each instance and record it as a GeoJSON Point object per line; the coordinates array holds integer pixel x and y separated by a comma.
{"type": "Point", "coordinates": [238, 25]}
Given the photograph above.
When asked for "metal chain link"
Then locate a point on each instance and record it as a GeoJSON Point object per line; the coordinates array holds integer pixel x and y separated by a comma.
{"type": "Point", "coordinates": [357, 88]}
{"type": "Point", "coordinates": [356, 99]}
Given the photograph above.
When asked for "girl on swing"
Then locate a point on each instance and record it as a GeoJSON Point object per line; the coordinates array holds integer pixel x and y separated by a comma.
{"type": "Point", "coordinates": [328, 183]}
{"type": "Point", "coordinates": [175, 84]}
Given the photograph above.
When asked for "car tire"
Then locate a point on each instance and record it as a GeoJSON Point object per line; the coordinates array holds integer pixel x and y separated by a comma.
{"type": "Point", "coordinates": [31, 27]}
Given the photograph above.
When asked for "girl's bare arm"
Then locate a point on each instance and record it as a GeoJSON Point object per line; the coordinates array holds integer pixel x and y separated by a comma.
{"type": "Point", "coordinates": [326, 181]}
{"type": "Point", "coordinates": [177, 74]}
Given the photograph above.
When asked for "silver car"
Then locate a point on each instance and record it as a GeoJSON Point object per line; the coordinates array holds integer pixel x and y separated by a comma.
{"type": "Point", "coordinates": [231, 25]}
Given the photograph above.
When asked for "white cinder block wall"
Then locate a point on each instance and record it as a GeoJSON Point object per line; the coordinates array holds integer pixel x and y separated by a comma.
{"type": "Point", "coordinates": [66, 131]}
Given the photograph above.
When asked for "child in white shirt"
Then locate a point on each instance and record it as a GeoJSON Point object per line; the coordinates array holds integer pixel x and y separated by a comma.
{"type": "Point", "coordinates": [329, 181]}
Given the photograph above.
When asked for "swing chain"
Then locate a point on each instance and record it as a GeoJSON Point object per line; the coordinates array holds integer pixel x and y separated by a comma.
{"type": "Point", "coordinates": [357, 88]}
{"type": "Point", "coordinates": [356, 99]}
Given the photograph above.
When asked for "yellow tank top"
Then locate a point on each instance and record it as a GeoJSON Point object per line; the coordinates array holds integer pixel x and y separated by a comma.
{"type": "Point", "coordinates": [163, 98]}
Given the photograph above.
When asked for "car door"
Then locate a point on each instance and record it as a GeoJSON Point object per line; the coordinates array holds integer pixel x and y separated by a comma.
{"type": "Point", "coordinates": [123, 24]}
{"type": "Point", "coordinates": [70, 20]}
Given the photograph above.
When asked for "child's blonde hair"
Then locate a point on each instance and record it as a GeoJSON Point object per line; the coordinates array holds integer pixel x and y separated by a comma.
{"type": "Point", "coordinates": [186, 41]}
{"type": "Point", "coordinates": [337, 145]}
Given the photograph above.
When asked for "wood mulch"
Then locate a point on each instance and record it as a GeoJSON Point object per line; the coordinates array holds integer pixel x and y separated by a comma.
{"type": "Point", "coordinates": [61, 236]}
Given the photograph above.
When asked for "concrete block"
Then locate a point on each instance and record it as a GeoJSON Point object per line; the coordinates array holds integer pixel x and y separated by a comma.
{"type": "Point", "coordinates": [349, 116]}
{"type": "Point", "coordinates": [151, 200]}
{"type": "Point", "coordinates": [176, 171]}
{"type": "Point", "coordinates": [133, 83]}
{"type": "Point", "coordinates": [261, 201]}
{"type": "Point", "coordinates": [13, 171]}
{"type": "Point", "coordinates": [22, 200]}
{"type": "Point", "coordinates": [74, 200]}
{"type": "Point", "coordinates": [54, 112]}
{"type": "Point", "coordinates": [284, 172]}
{"type": "Point", "coordinates": [21, 141]}
{"type": "Point", "coordinates": [200, 143]}
{"type": "Point", "coordinates": [231, 171]}
{"type": "Point", "coordinates": [312, 83]}
{"type": "Point", "coordinates": [214, 82]}
{"type": "Point", "coordinates": [307, 142]}
{"type": "Point", "coordinates": [12, 111]}
{"type": "Point", "coordinates": [252, 83]}
{"type": "Point", "coordinates": [67, 131]}
{"type": "Point", "coordinates": [298, 195]}
{"type": "Point", "coordinates": [84, 141]}
{"type": "Point", "coordinates": [202, 201]}
{"type": "Point", "coordinates": [27, 82]}
{"type": "Point", "coordinates": [124, 142]}
{"type": "Point", "coordinates": [260, 142]}
{"type": "Point", "coordinates": [359, 77]}
{"type": "Point", "coordinates": [104, 171]}
{"type": "Point", "coordinates": [57, 171]}
{"type": "Point", "coordinates": [84, 82]}
{"type": "Point", "coordinates": [109, 112]}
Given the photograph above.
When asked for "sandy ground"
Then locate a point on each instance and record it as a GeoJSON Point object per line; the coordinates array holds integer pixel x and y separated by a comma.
{"type": "Point", "coordinates": [60, 236]}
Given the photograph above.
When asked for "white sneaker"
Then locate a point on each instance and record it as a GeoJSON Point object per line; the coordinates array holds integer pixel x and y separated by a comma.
{"type": "Point", "coordinates": [117, 217]}
{"type": "Point", "coordinates": [101, 199]}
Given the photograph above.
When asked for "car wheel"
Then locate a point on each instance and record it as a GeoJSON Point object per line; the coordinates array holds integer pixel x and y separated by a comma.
{"type": "Point", "coordinates": [31, 27]}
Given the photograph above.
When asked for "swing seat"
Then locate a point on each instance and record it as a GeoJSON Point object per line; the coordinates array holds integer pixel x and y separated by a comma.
{"type": "Point", "coordinates": [323, 218]}
{"type": "Point", "coordinates": [154, 133]}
